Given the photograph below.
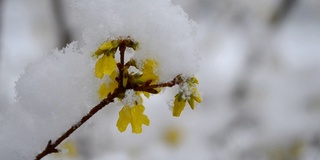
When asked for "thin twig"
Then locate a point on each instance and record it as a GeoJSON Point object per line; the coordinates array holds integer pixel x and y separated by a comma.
{"type": "Point", "coordinates": [175, 81]}
{"type": "Point", "coordinates": [51, 147]}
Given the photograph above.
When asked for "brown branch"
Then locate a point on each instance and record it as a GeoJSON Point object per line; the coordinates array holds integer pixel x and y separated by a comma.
{"type": "Point", "coordinates": [147, 88]}
{"type": "Point", "coordinates": [51, 147]}
{"type": "Point", "coordinates": [122, 49]}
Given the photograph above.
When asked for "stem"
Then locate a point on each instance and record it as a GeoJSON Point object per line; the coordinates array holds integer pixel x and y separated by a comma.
{"type": "Point", "coordinates": [51, 147]}
{"type": "Point", "coordinates": [173, 82]}
{"type": "Point", "coordinates": [122, 49]}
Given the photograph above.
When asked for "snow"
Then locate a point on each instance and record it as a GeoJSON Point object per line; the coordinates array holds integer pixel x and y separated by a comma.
{"type": "Point", "coordinates": [131, 98]}
{"type": "Point", "coordinates": [148, 22]}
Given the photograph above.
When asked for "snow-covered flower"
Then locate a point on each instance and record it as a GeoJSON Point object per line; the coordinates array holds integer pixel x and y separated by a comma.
{"type": "Point", "coordinates": [188, 92]}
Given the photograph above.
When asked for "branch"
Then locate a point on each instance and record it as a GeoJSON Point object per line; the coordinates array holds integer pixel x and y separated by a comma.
{"type": "Point", "coordinates": [147, 88]}
{"type": "Point", "coordinates": [51, 147]}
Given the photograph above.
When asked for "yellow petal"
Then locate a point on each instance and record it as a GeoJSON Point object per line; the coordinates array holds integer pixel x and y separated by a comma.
{"type": "Point", "coordinates": [149, 66]}
{"type": "Point", "coordinates": [179, 104]}
{"type": "Point", "coordinates": [191, 103]}
{"type": "Point", "coordinates": [106, 48]}
{"type": "Point", "coordinates": [146, 77]}
{"type": "Point", "coordinates": [148, 71]}
{"type": "Point", "coordinates": [197, 98]}
{"type": "Point", "coordinates": [194, 80]}
{"type": "Point", "coordinates": [124, 118]}
{"type": "Point", "coordinates": [109, 45]}
{"type": "Point", "coordinates": [138, 118]}
{"type": "Point", "coordinates": [99, 67]}
{"type": "Point", "coordinates": [97, 53]}
{"type": "Point", "coordinates": [103, 92]}
{"type": "Point", "coordinates": [110, 65]}
{"type": "Point", "coordinates": [105, 65]}
{"type": "Point", "coordinates": [113, 75]}
{"type": "Point", "coordinates": [133, 115]}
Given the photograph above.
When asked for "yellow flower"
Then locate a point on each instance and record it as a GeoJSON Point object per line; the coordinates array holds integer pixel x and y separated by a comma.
{"type": "Point", "coordinates": [107, 48]}
{"type": "Point", "coordinates": [133, 115]}
{"type": "Point", "coordinates": [195, 96]}
{"type": "Point", "coordinates": [194, 80]}
{"type": "Point", "coordinates": [105, 65]}
{"type": "Point", "coordinates": [104, 90]}
{"type": "Point", "coordinates": [109, 45]}
{"type": "Point", "coordinates": [179, 104]}
{"type": "Point", "coordinates": [181, 98]}
{"type": "Point", "coordinates": [148, 72]}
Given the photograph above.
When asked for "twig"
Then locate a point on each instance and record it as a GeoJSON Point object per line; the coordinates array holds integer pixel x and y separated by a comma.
{"type": "Point", "coordinates": [51, 147]}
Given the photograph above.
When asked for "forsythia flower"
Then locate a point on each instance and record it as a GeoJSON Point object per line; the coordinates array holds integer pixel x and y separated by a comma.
{"type": "Point", "coordinates": [182, 97]}
{"type": "Point", "coordinates": [133, 115]}
{"type": "Point", "coordinates": [105, 89]}
{"type": "Point", "coordinates": [107, 47]}
{"type": "Point", "coordinates": [105, 65]}
{"type": "Point", "coordinates": [148, 72]}
{"type": "Point", "coordinates": [179, 104]}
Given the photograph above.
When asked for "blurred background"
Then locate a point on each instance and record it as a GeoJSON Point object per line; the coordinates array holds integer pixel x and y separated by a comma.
{"type": "Point", "coordinates": [259, 78]}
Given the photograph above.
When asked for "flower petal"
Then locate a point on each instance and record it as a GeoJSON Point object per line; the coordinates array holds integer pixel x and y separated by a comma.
{"type": "Point", "coordinates": [109, 45]}
{"type": "Point", "coordinates": [103, 91]}
{"type": "Point", "coordinates": [191, 103]}
{"type": "Point", "coordinates": [124, 119]}
{"type": "Point", "coordinates": [179, 104]}
{"type": "Point", "coordinates": [138, 118]}
{"type": "Point", "coordinates": [133, 115]}
{"type": "Point", "coordinates": [148, 71]}
{"type": "Point", "coordinates": [109, 64]}
{"type": "Point", "coordinates": [105, 65]}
